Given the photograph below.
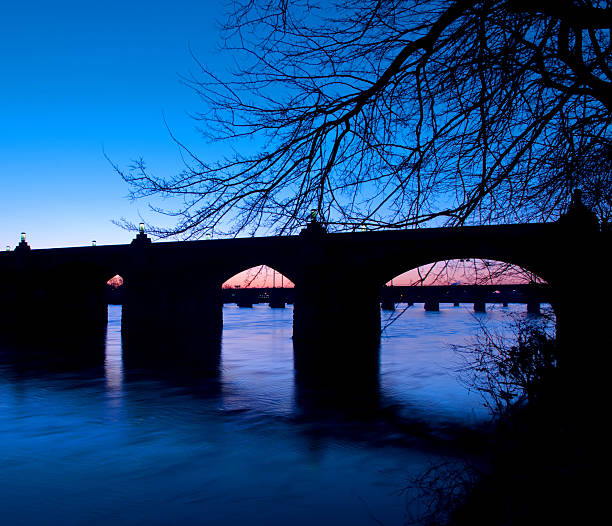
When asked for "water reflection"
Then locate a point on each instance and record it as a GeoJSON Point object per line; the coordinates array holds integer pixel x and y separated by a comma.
{"type": "Point", "coordinates": [189, 353]}
{"type": "Point", "coordinates": [113, 356]}
{"type": "Point", "coordinates": [327, 384]}
{"type": "Point", "coordinates": [254, 442]}
{"type": "Point", "coordinates": [256, 370]}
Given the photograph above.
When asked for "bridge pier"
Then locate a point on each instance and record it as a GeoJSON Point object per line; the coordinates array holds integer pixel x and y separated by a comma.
{"type": "Point", "coordinates": [277, 299]}
{"type": "Point", "coordinates": [60, 312]}
{"type": "Point", "coordinates": [175, 323]}
{"type": "Point", "coordinates": [62, 304]}
{"type": "Point", "coordinates": [245, 301]}
{"type": "Point", "coordinates": [387, 299]}
{"type": "Point", "coordinates": [583, 343]}
{"type": "Point", "coordinates": [480, 306]}
{"type": "Point", "coordinates": [337, 319]}
{"type": "Point", "coordinates": [581, 310]}
{"type": "Point", "coordinates": [336, 325]}
{"type": "Point", "coordinates": [388, 304]}
{"type": "Point", "coordinates": [432, 305]}
{"type": "Point", "coordinates": [533, 307]}
{"type": "Point", "coordinates": [174, 315]}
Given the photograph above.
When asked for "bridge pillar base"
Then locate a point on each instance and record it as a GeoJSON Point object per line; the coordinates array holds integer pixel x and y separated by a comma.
{"type": "Point", "coordinates": [388, 305]}
{"type": "Point", "coordinates": [56, 314]}
{"type": "Point", "coordinates": [533, 307]}
{"type": "Point", "coordinates": [336, 325]}
{"type": "Point", "coordinates": [277, 299]}
{"type": "Point", "coordinates": [171, 320]}
{"type": "Point", "coordinates": [480, 306]}
{"type": "Point", "coordinates": [432, 306]}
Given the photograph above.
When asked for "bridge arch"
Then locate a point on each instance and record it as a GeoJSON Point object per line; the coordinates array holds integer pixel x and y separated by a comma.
{"type": "Point", "coordinates": [466, 280]}
{"type": "Point", "coordinates": [253, 265]}
{"type": "Point", "coordinates": [466, 271]}
{"type": "Point", "coordinates": [259, 284]}
{"type": "Point", "coordinates": [115, 289]}
{"type": "Point", "coordinates": [259, 276]}
{"type": "Point", "coordinates": [387, 269]}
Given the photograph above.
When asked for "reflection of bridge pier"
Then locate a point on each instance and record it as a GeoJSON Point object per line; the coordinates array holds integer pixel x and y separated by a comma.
{"type": "Point", "coordinates": [324, 381]}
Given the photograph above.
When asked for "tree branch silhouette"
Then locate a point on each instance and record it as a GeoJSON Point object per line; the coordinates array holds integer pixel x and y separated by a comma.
{"type": "Point", "coordinates": [396, 114]}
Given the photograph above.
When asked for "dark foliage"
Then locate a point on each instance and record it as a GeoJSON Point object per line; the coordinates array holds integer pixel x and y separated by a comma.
{"type": "Point", "coordinates": [539, 467]}
{"type": "Point", "coordinates": [510, 370]}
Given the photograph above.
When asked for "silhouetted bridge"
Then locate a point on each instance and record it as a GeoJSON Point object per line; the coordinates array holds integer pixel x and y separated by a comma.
{"type": "Point", "coordinates": [175, 288]}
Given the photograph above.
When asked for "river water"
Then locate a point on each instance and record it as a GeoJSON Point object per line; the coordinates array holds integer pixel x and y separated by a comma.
{"type": "Point", "coordinates": [112, 445]}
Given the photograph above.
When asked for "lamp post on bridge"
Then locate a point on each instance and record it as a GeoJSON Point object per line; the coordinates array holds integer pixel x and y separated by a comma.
{"type": "Point", "coordinates": [23, 245]}
{"type": "Point", "coordinates": [314, 226]}
{"type": "Point", "coordinates": [141, 239]}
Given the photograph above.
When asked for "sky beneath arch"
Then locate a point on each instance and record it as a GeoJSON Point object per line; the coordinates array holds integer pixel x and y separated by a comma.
{"type": "Point", "coordinates": [453, 272]}
{"type": "Point", "coordinates": [81, 79]}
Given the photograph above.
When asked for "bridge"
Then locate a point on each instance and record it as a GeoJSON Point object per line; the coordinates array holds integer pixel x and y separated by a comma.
{"type": "Point", "coordinates": [531, 294]}
{"type": "Point", "coordinates": [174, 289]}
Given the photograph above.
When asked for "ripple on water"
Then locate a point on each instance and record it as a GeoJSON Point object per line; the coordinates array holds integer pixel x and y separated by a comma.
{"type": "Point", "coordinates": [248, 446]}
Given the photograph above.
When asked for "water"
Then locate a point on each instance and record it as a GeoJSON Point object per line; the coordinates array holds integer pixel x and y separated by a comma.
{"type": "Point", "coordinates": [125, 446]}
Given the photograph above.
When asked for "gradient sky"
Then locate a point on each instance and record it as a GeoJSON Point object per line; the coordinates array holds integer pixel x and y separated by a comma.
{"type": "Point", "coordinates": [79, 79]}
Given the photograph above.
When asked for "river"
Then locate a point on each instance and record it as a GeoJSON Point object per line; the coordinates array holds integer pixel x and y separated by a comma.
{"type": "Point", "coordinates": [112, 445]}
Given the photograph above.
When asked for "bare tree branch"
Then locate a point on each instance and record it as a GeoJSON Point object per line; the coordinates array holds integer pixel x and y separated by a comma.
{"type": "Point", "coordinates": [397, 114]}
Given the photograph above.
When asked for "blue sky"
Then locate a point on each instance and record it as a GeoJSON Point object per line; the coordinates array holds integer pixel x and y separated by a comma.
{"type": "Point", "coordinates": [79, 79]}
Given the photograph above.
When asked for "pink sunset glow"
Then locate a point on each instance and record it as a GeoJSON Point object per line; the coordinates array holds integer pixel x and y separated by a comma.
{"type": "Point", "coordinates": [116, 281]}
{"type": "Point", "coordinates": [466, 272]}
{"type": "Point", "coordinates": [455, 271]}
{"type": "Point", "coordinates": [258, 277]}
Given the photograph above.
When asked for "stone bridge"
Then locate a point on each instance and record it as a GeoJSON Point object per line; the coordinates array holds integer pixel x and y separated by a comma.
{"type": "Point", "coordinates": [173, 289]}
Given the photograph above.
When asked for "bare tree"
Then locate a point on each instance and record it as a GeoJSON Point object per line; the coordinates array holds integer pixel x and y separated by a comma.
{"type": "Point", "coordinates": [397, 113]}
{"type": "Point", "coordinates": [508, 367]}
